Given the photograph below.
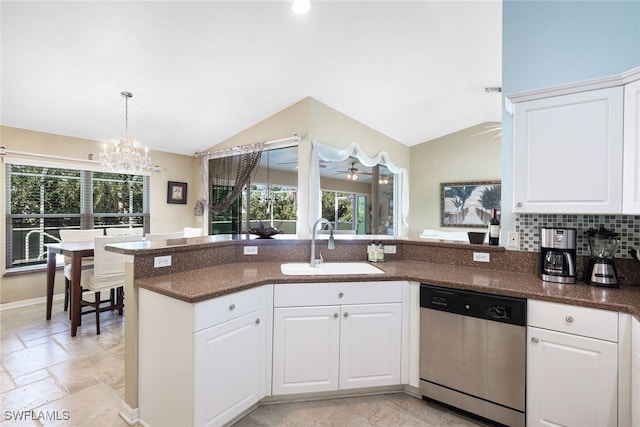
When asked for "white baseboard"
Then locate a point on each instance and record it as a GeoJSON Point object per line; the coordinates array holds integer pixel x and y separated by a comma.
{"type": "Point", "coordinates": [28, 302]}
{"type": "Point", "coordinates": [130, 415]}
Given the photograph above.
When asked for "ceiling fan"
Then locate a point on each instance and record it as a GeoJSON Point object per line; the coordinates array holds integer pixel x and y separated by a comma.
{"type": "Point", "coordinates": [353, 172]}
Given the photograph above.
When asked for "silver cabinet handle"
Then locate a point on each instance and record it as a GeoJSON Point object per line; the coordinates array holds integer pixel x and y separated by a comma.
{"type": "Point", "coordinates": [257, 321]}
{"type": "Point", "coordinates": [340, 295]}
{"type": "Point", "coordinates": [519, 204]}
{"type": "Point", "coordinates": [569, 319]}
{"type": "Point", "coordinates": [335, 315]}
{"type": "Point", "coordinates": [232, 307]}
{"type": "Point", "coordinates": [534, 340]}
{"type": "Point", "coordinates": [346, 314]}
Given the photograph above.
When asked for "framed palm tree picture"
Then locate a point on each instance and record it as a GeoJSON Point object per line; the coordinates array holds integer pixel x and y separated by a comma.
{"type": "Point", "coordinates": [468, 204]}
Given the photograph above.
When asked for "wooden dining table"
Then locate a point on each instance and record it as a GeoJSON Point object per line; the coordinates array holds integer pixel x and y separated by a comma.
{"type": "Point", "coordinates": [76, 251]}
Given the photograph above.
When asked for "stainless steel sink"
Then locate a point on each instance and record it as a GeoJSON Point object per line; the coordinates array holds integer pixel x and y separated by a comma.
{"type": "Point", "coordinates": [329, 268]}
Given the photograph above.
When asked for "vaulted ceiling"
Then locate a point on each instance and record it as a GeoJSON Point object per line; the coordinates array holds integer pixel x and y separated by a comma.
{"type": "Point", "coordinates": [202, 71]}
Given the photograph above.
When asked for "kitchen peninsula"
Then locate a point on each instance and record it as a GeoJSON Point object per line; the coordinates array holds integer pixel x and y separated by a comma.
{"type": "Point", "coordinates": [205, 270]}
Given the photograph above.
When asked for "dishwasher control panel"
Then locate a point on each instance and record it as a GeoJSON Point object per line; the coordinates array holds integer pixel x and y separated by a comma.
{"type": "Point", "coordinates": [475, 304]}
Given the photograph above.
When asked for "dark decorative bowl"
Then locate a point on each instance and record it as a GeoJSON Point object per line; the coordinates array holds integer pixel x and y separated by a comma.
{"type": "Point", "coordinates": [476, 238]}
{"type": "Point", "coordinates": [265, 233]}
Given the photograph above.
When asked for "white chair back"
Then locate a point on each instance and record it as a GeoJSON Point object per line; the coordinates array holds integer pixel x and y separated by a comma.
{"type": "Point", "coordinates": [75, 236]}
{"type": "Point", "coordinates": [118, 231]}
{"type": "Point", "coordinates": [108, 269]}
{"type": "Point", "coordinates": [164, 236]}
{"type": "Point", "coordinates": [192, 232]}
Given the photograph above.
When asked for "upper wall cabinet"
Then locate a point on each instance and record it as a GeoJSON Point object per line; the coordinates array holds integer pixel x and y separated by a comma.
{"type": "Point", "coordinates": [568, 153]}
{"type": "Point", "coordinates": [631, 188]}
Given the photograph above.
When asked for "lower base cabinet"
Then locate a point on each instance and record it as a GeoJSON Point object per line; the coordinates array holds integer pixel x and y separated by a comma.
{"type": "Point", "coordinates": [635, 373]}
{"type": "Point", "coordinates": [330, 346]}
{"type": "Point", "coordinates": [201, 364]}
{"type": "Point", "coordinates": [227, 362]}
{"type": "Point", "coordinates": [207, 363]}
{"type": "Point", "coordinates": [572, 379]}
{"type": "Point", "coordinates": [336, 347]}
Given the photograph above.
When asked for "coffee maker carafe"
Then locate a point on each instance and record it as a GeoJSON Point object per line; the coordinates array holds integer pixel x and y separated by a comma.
{"type": "Point", "coordinates": [558, 255]}
{"type": "Point", "coordinates": [601, 270]}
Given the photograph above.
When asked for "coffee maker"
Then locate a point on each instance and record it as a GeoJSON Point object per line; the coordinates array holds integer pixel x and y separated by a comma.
{"type": "Point", "coordinates": [601, 270]}
{"type": "Point", "coordinates": [558, 255]}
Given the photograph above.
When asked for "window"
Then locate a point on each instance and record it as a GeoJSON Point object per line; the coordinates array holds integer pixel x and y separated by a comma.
{"type": "Point", "coordinates": [41, 200]}
{"type": "Point", "coordinates": [268, 200]}
{"type": "Point", "coordinates": [338, 207]}
{"type": "Point", "coordinates": [271, 206]}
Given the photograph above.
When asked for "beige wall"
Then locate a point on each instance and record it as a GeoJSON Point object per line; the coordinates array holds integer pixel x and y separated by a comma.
{"type": "Point", "coordinates": [164, 217]}
{"type": "Point", "coordinates": [462, 156]}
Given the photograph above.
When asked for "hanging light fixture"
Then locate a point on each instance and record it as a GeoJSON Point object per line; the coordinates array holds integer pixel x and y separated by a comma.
{"type": "Point", "coordinates": [352, 173]}
{"type": "Point", "coordinates": [123, 155]}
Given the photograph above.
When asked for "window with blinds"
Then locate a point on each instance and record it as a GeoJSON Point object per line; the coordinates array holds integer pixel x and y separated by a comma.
{"type": "Point", "coordinates": [42, 200]}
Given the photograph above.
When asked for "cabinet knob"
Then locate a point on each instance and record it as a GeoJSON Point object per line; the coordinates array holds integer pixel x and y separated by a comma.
{"type": "Point", "coordinates": [346, 314]}
{"type": "Point", "coordinates": [340, 295]}
{"type": "Point", "coordinates": [519, 204]}
{"type": "Point", "coordinates": [335, 315]}
{"type": "Point", "coordinates": [232, 307]}
{"type": "Point", "coordinates": [534, 340]}
{"type": "Point", "coordinates": [257, 321]}
{"type": "Point", "coordinates": [569, 319]}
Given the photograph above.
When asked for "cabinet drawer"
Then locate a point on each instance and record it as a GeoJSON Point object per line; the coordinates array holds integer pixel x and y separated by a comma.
{"type": "Point", "coordinates": [217, 310]}
{"type": "Point", "coordinates": [584, 321]}
{"type": "Point", "coordinates": [307, 294]}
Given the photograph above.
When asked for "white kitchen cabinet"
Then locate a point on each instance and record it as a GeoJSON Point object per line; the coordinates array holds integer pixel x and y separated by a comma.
{"type": "Point", "coordinates": [214, 357]}
{"type": "Point", "coordinates": [370, 344]}
{"type": "Point", "coordinates": [334, 336]}
{"type": "Point", "coordinates": [572, 374]}
{"type": "Point", "coordinates": [568, 153]}
{"type": "Point", "coordinates": [631, 188]}
{"type": "Point", "coordinates": [635, 373]}
{"type": "Point", "coordinates": [306, 344]}
{"type": "Point", "coordinates": [229, 361]}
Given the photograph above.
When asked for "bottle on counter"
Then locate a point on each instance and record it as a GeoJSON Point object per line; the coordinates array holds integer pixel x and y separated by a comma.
{"type": "Point", "coordinates": [371, 252]}
{"type": "Point", "coordinates": [494, 229]}
{"type": "Point", "coordinates": [379, 251]}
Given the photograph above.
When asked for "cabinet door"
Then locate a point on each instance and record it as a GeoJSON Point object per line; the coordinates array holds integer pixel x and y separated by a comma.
{"type": "Point", "coordinates": [631, 188]}
{"type": "Point", "coordinates": [571, 380]}
{"type": "Point", "coordinates": [229, 361]}
{"type": "Point", "coordinates": [370, 345]}
{"type": "Point", "coordinates": [305, 349]}
{"type": "Point", "coordinates": [635, 372]}
{"type": "Point", "coordinates": [568, 153]}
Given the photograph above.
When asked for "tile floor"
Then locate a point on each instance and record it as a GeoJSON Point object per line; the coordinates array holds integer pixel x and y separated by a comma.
{"type": "Point", "coordinates": [52, 379]}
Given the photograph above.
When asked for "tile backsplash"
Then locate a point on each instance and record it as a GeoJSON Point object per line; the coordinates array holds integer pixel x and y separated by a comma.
{"type": "Point", "coordinates": [627, 227]}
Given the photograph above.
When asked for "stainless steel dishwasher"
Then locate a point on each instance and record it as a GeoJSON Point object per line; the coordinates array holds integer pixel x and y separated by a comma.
{"type": "Point", "coordinates": [473, 351]}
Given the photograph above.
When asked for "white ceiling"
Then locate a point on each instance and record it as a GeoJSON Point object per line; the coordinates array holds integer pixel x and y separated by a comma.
{"type": "Point", "coordinates": [202, 71]}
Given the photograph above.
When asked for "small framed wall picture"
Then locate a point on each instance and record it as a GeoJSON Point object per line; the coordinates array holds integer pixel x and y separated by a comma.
{"type": "Point", "coordinates": [177, 192]}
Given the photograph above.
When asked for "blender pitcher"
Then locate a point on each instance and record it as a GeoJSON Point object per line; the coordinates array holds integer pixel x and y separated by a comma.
{"type": "Point", "coordinates": [603, 245]}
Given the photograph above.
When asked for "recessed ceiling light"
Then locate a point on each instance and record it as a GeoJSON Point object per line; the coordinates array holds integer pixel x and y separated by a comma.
{"type": "Point", "coordinates": [300, 7]}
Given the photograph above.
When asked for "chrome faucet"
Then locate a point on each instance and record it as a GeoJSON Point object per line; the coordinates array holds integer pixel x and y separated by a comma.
{"type": "Point", "coordinates": [330, 245]}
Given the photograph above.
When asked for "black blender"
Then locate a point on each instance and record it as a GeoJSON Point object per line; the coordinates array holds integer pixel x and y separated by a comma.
{"type": "Point", "coordinates": [601, 270]}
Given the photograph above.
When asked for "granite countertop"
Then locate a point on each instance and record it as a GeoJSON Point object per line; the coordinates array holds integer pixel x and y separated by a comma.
{"type": "Point", "coordinates": [210, 282]}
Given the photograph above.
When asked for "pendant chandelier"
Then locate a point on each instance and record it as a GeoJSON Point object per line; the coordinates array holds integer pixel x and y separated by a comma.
{"type": "Point", "coordinates": [123, 156]}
